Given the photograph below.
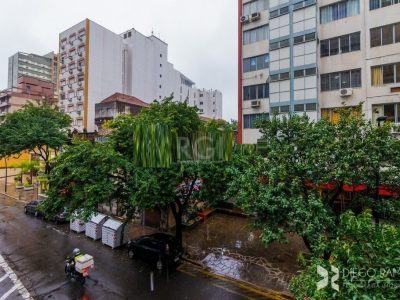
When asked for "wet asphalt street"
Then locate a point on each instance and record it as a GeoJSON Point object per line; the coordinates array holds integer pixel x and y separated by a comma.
{"type": "Point", "coordinates": [35, 250]}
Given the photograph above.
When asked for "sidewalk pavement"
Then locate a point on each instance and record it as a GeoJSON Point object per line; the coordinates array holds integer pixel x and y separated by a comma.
{"type": "Point", "coordinates": [19, 194]}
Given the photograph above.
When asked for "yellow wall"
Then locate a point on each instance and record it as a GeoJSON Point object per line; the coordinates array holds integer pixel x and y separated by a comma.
{"type": "Point", "coordinates": [15, 162]}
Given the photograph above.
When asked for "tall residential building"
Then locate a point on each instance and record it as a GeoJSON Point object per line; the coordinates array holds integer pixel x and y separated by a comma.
{"type": "Point", "coordinates": [42, 67]}
{"type": "Point", "coordinates": [95, 63]}
{"type": "Point", "coordinates": [313, 57]}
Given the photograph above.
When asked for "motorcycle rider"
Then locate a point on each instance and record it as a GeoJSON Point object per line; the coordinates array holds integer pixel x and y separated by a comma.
{"type": "Point", "coordinates": [71, 260]}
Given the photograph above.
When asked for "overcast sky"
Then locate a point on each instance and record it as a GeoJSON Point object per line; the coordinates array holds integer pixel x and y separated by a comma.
{"type": "Point", "coordinates": [202, 35]}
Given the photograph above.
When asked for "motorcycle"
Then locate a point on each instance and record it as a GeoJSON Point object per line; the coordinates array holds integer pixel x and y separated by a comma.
{"type": "Point", "coordinates": [77, 267]}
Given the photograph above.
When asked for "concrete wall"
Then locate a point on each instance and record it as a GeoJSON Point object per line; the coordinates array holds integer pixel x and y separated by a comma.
{"type": "Point", "coordinates": [105, 67]}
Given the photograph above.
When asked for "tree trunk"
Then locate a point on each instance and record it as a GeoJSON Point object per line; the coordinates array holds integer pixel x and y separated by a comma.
{"type": "Point", "coordinates": [307, 243]}
{"type": "Point", "coordinates": [177, 211]}
{"type": "Point", "coordinates": [178, 229]}
{"type": "Point", "coordinates": [47, 168]}
{"type": "Point", "coordinates": [164, 219]}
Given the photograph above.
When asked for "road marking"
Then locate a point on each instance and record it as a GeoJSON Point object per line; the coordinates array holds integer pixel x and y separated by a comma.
{"type": "Point", "coordinates": [10, 291]}
{"type": "Point", "coordinates": [17, 283]}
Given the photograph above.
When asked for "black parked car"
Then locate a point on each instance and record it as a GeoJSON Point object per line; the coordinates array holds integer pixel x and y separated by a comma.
{"type": "Point", "coordinates": [32, 208]}
{"type": "Point", "coordinates": [62, 217]}
{"type": "Point", "coordinates": [159, 248]}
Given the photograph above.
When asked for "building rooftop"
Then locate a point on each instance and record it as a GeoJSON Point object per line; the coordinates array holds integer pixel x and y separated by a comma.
{"type": "Point", "coordinates": [119, 97]}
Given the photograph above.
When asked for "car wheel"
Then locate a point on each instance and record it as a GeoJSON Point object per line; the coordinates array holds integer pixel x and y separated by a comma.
{"type": "Point", "coordinates": [36, 214]}
{"type": "Point", "coordinates": [131, 254]}
{"type": "Point", "coordinates": [25, 210]}
{"type": "Point", "coordinates": [159, 265]}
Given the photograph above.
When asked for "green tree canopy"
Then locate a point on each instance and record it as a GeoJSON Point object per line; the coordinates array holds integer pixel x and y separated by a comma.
{"type": "Point", "coordinates": [366, 256]}
{"type": "Point", "coordinates": [39, 129]}
{"type": "Point", "coordinates": [285, 188]}
{"type": "Point", "coordinates": [87, 174]}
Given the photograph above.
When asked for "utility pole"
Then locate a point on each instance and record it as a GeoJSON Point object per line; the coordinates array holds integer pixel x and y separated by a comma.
{"type": "Point", "coordinates": [5, 180]}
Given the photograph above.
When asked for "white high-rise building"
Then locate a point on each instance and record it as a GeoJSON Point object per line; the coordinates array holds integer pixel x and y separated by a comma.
{"type": "Point", "coordinates": [313, 57]}
{"type": "Point", "coordinates": [96, 63]}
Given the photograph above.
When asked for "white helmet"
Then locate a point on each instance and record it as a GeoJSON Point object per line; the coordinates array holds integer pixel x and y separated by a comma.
{"type": "Point", "coordinates": [76, 252]}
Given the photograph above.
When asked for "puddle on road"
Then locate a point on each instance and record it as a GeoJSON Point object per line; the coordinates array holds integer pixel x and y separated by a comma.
{"type": "Point", "coordinates": [229, 245]}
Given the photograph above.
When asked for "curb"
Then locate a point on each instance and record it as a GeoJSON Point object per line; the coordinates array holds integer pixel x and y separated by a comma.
{"type": "Point", "coordinates": [278, 295]}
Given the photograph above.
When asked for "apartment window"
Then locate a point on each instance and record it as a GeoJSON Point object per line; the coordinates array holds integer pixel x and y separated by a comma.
{"type": "Point", "coordinates": [281, 76]}
{"type": "Point", "coordinates": [342, 44]}
{"type": "Point", "coordinates": [305, 72]}
{"type": "Point", "coordinates": [255, 35]}
{"type": "Point", "coordinates": [340, 80]}
{"type": "Point", "coordinates": [385, 74]}
{"type": "Point", "coordinates": [355, 43]}
{"type": "Point", "coordinates": [284, 43]}
{"type": "Point", "coordinates": [305, 107]}
{"type": "Point", "coordinates": [298, 73]}
{"type": "Point", "coordinates": [256, 63]}
{"type": "Point", "coordinates": [391, 111]}
{"type": "Point", "coordinates": [129, 34]}
{"type": "Point", "coordinates": [280, 44]}
{"type": "Point", "coordinates": [298, 39]}
{"type": "Point", "coordinates": [284, 109]}
{"type": "Point", "coordinates": [385, 35]}
{"type": "Point", "coordinates": [311, 107]}
{"type": "Point", "coordinates": [339, 10]}
{"type": "Point", "coordinates": [375, 4]}
{"type": "Point", "coordinates": [284, 76]}
{"type": "Point", "coordinates": [255, 6]}
{"type": "Point", "coordinates": [309, 37]}
{"type": "Point", "coordinates": [250, 120]}
{"type": "Point", "coordinates": [274, 77]}
{"type": "Point", "coordinates": [274, 14]}
{"type": "Point", "coordinates": [303, 4]}
{"type": "Point", "coordinates": [388, 74]}
{"type": "Point", "coordinates": [298, 107]}
{"type": "Point", "coordinates": [274, 46]}
{"type": "Point", "coordinates": [310, 71]}
{"type": "Point", "coordinates": [279, 12]}
{"type": "Point", "coordinates": [334, 46]}
{"type": "Point", "coordinates": [254, 92]}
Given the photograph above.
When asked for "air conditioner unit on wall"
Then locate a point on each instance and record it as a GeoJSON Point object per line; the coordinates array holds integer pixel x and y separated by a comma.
{"type": "Point", "coordinates": [255, 16]}
{"type": "Point", "coordinates": [244, 19]}
{"type": "Point", "coordinates": [255, 103]}
{"type": "Point", "coordinates": [346, 92]}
